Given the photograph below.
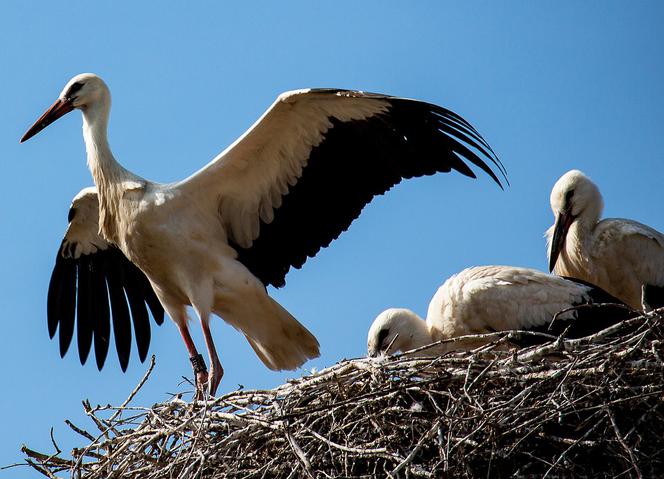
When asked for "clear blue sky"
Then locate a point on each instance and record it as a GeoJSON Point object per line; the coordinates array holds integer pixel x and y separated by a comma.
{"type": "Point", "coordinates": [551, 85]}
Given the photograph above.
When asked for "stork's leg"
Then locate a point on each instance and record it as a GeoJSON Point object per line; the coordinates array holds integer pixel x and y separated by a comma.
{"type": "Point", "coordinates": [197, 362]}
{"type": "Point", "coordinates": [216, 371]}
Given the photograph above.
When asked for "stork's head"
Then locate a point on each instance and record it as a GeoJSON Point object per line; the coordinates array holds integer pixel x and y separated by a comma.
{"type": "Point", "coordinates": [396, 329]}
{"type": "Point", "coordinates": [574, 198]}
{"type": "Point", "coordinates": [83, 92]}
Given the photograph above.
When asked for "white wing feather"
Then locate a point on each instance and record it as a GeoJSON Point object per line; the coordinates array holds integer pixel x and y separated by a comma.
{"type": "Point", "coordinates": [246, 182]}
{"type": "Point", "coordinates": [82, 235]}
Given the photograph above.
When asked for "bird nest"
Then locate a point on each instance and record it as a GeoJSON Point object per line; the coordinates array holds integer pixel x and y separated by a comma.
{"type": "Point", "coordinates": [591, 407]}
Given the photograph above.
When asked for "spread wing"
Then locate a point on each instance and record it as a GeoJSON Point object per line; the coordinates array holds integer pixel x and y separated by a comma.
{"type": "Point", "coordinates": [93, 282]}
{"type": "Point", "coordinates": [303, 172]}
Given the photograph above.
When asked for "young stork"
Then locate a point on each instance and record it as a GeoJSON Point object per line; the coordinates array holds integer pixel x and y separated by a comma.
{"type": "Point", "coordinates": [88, 272]}
{"type": "Point", "coordinates": [286, 188]}
{"type": "Point", "coordinates": [486, 299]}
{"type": "Point", "coordinates": [624, 257]}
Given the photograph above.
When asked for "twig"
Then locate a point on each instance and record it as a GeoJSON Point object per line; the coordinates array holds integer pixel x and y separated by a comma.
{"type": "Point", "coordinates": [136, 389]}
{"type": "Point", "coordinates": [622, 442]}
{"type": "Point", "coordinates": [301, 456]}
{"type": "Point", "coordinates": [425, 437]}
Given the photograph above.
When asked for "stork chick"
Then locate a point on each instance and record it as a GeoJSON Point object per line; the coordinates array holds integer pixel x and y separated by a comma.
{"type": "Point", "coordinates": [486, 299]}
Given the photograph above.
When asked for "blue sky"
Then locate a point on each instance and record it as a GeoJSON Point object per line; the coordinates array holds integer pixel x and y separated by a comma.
{"type": "Point", "coordinates": [551, 85]}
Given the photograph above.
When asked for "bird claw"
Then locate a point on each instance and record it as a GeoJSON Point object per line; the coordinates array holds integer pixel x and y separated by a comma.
{"type": "Point", "coordinates": [206, 383]}
{"type": "Point", "coordinates": [201, 385]}
{"type": "Point", "coordinates": [200, 376]}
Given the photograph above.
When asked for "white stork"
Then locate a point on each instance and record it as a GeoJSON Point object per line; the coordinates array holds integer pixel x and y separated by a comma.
{"type": "Point", "coordinates": [624, 257]}
{"type": "Point", "coordinates": [486, 299]}
{"type": "Point", "coordinates": [286, 188]}
{"type": "Point", "coordinates": [88, 272]}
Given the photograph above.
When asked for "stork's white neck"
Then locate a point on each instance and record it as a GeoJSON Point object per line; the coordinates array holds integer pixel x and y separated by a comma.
{"type": "Point", "coordinates": [582, 230]}
{"type": "Point", "coordinates": [103, 165]}
{"type": "Point", "coordinates": [588, 217]}
{"type": "Point", "coordinates": [413, 331]}
{"type": "Point", "coordinates": [109, 176]}
{"type": "Point", "coordinates": [574, 259]}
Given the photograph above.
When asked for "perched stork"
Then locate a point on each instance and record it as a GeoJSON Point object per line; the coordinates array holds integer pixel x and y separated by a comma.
{"type": "Point", "coordinates": [88, 272]}
{"type": "Point", "coordinates": [624, 257]}
{"type": "Point", "coordinates": [286, 188]}
{"type": "Point", "coordinates": [486, 299]}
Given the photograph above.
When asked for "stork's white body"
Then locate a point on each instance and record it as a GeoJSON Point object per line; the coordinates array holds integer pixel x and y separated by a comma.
{"type": "Point", "coordinates": [175, 235]}
{"type": "Point", "coordinates": [620, 256]}
{"type": "Point", "coordinates": [478, 300]}
{"type": "Point", "coordinates": [499, 298]}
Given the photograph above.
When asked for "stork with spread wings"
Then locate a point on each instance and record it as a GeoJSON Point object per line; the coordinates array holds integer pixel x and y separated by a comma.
{"type": "Point", "coordinates": [286, 188]}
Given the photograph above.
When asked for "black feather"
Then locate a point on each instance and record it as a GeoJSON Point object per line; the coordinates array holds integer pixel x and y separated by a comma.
{"type": "Point", "coordinates": [153, 303]}
{"type": "Point", "coordinates": [60, 272]}
{"type": "Point", "coordinates": [61, 302]}
{"type": "Point", "coordinates": [119, 309]}
{"type": "Point", "coordinates": [101, 319]}
{"type": "Point", "coordinates": [139, 313]}
{"type": "Point", "coordinates": [84, 308]}
{"type": "Point", "coordinates": [79, 292]}
{"type": "Point", "coordinates": [144, 288]}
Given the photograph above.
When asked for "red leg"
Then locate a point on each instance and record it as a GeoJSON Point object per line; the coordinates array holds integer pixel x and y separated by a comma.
{"type": "Point", "coordinates": [198, 365]}
{"type": "Point", "coordinates": [216, 371]}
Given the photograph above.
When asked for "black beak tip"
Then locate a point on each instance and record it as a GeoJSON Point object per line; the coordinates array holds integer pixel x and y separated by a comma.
{"type": "Point", "coordinates": [30, 133]}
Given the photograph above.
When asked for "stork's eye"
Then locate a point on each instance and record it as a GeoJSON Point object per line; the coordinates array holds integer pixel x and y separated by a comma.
{"type": "Point", "coordinates": [568, 197]}
{"type": "Point", "coordinates": [74, 88]}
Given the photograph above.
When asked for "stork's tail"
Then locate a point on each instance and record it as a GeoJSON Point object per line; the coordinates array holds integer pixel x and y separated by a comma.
{"type": "Point", "coordinates": [285, 344]}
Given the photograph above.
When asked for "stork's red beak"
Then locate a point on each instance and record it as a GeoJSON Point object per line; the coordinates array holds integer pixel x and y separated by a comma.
{"type": "Point", "coordinates": [563, 222]}
{"type": "Point", "coordinates": [59, 108]}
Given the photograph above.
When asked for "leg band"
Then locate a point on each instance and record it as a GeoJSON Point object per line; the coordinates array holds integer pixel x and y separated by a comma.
{"type": "Point", "coordinates": [198, 364]}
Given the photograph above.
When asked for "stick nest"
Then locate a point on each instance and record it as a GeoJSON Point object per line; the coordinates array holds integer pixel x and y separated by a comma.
{"type": "Point", "coordinates": [570, 408]}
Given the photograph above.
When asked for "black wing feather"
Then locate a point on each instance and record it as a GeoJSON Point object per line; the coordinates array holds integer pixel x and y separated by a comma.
{"type": "Point", "coordinates": [152, 301]}
{"type": "Point", "coordinates": [61, 302]}
{"type": "Point", "coordinates": [356, 161]}
{"type": "Point", "coordinates": [84, 308]}
{"type": "Point", "coordinates": [102, 315]}
{"type": "Point", "coordinates": [121, 322]}
{"type": "Point", "coordinates": [58, 302]}
{"type": "Point", "coordinates": [80, 290]}
{"type": "Point", "coordinates": [139, 312]}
